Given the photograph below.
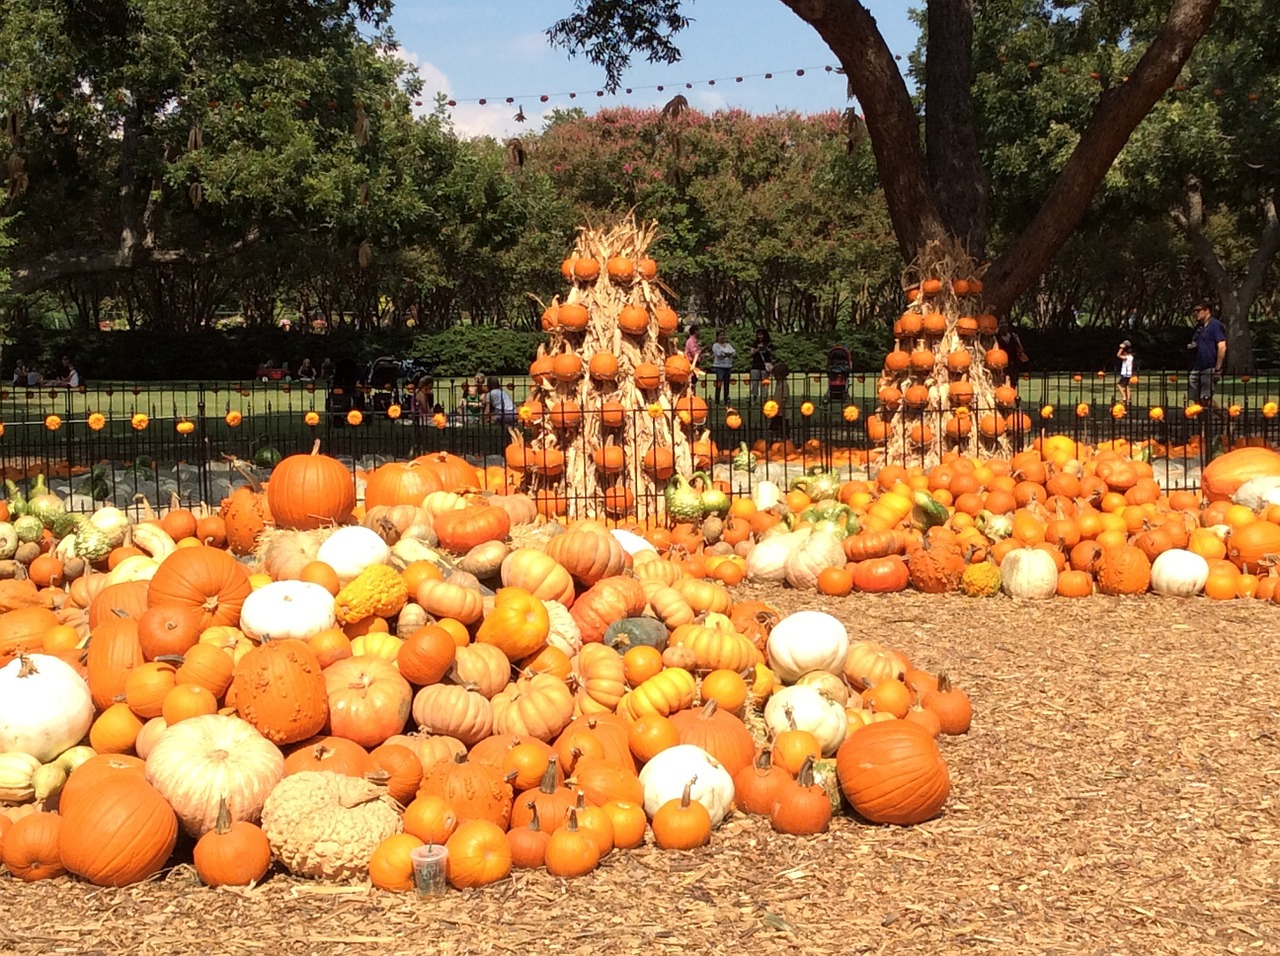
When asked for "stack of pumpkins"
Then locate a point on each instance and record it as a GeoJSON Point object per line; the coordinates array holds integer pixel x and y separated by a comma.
{"type": "Point", "coordinates": [945, 385]}
{"type": "Point", "coordinates": [612, 406]}
{"type": "Point", "coordinates": [344, 699]}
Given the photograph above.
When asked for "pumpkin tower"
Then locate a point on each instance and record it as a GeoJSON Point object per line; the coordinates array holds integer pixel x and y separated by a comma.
{"type": "Point", "coordinates": [945, 385]}
{"type": "Point", "coordinates": [612, 407]}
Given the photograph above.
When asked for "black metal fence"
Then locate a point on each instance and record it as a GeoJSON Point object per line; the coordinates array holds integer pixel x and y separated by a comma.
{"type": "Point", "coordinates": [178, 436]}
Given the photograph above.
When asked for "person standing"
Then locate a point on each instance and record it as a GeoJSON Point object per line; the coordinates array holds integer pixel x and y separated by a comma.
{"type": "Point", "coordinates": [761, 360]}
{"type": "Point", "coordinates": [1125, 355]}
{"type": "Point", "coordinates": [1208, 347]}
{"type": "Point", "coordinates": [722, 353]}
{"type": "Point", "coordinates": [693, 352]}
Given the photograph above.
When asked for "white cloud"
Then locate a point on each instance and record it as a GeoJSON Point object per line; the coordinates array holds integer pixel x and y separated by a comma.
{"type": "Point", "coordinates": [470, 119]}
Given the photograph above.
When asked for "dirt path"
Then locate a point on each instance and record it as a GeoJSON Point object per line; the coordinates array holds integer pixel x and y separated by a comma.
{"type": "Point", "coordinates": [1116, 795]}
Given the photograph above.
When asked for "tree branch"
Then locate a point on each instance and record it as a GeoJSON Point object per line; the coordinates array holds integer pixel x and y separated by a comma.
{"type": "Point", "coordinates": [32, 276]}
{"type": "Point", "coordinates": [1118, 113]}
{"type": "Point", "coordinates": [850, 31]}
{"type": "Point", "coordinates": [1191, 222]}
{"type": "Point", "coordinates": [1260, 261]}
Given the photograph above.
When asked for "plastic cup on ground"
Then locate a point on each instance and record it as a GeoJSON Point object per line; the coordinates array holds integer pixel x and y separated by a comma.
{"type": "Point", "coordinates": [429, 866]}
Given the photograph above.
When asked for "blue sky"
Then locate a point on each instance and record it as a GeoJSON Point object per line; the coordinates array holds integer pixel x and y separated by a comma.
{"type": "Point", "coordinates": [497, 48]}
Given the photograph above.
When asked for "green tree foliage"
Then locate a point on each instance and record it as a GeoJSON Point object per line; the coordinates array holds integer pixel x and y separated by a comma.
{"type": "Point", "coordinates": [774, 219]}
{"type": "Point", "coordinates": [184, 132]}
{"type": "Point", "coordinates": [1188, 209]}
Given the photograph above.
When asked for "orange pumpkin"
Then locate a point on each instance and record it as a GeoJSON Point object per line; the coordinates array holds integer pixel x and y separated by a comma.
{"type": "Point", "coordinates": [311, 491]}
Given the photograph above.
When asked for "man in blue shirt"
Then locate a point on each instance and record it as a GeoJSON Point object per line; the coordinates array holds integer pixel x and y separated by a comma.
{"type": "Point", "coordinates": [1209, 345]}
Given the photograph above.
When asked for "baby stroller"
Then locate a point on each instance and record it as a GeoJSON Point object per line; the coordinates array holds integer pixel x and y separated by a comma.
{"type": "Point", "coordinates": [345, 391]}
{"type": "Point", "coordinates": [383, 380]}
{"type": "Point", "coordinates": [839, 365]}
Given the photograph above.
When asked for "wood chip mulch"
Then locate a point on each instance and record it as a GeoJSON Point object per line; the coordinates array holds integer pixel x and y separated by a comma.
{"type": "Point", "coordinates": [1117, 794]}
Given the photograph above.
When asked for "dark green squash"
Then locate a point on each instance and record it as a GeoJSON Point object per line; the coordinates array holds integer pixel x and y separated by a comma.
{"type": "Point", "coordinates": [631, 631]}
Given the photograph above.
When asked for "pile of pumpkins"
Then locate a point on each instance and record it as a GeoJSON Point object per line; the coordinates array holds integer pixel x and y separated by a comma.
{"type": "Point", "coordinates": [1059, 519]}
{"type": "Point", "coordinates": [304, 681]}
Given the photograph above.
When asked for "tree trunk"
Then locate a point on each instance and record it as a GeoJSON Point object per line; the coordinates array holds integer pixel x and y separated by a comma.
{"type": "Point", "coordinates": [851, 32]}
{"type": "Point", "coordinates": [950, 133]}
{"type": "Point", "coordinates": [1234, 301]}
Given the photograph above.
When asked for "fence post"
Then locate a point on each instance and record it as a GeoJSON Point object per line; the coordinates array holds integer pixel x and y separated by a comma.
{"type": "Point", "coordinates": [202, 443]}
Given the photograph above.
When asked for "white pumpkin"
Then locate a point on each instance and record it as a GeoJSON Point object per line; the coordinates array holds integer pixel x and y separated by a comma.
{"type": "Point", "coordinates": [632, 543]}
{"type": "Point", "coordinates": [664, 778]}
{"type": "Point", "coordinates": [201, 760]}
{"type": "Point", "coordinates": [825, 682]}
{"type": "Point", "coordinates": [352, 549]}
{"type": "Point", "coordinates": [1179, 572]}
{"type": "Point", "coordinates": [819, 550]}
{"type": "Point", "coordinates": [1029, 573]}
{"type": "Point", "coordinates": [45, 706]}
{"type": "Point", "coordinates": [767, 561]}
{"type": "Point", "coordinates": [765, 495]}
{"type": "Point", "coordinates": [807, 641]}
{"type": "Point", "coordinates": [1258, 493]}
{"type": "Point", "coordinates": [284, 610]}
{"type": "Point", "coordinates": [811, 710]}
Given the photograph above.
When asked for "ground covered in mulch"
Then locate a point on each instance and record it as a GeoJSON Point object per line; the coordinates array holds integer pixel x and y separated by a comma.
{"type": "Point", "coordinates": [1117, 794]}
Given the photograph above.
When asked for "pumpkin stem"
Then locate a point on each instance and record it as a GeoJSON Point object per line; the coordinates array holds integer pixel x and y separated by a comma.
{"type": "Point", "coordinates": [534, 823]}
{"type": "Point", "coordinates": [548, 784]}
{"type": "Point", "coordinates": [688, 792]}
{"type": "Point", "coordinates": [805, 777]}
{"type": "Point", "coordinates": [242, 468]}
{"type": "Point", "coordinates": [791, 717]}
{"type": "Point", "coordinates": [223, 825]}
{"type": "Point", "coordinates": [315, 447]}
{"type": "Point", "coordinates": [709, 709]}
{"type": "Point", "coordinates": [573, 820]}
{"type": "Point", "coordinates": [944, 682]}
{"type": "Point", "coordinates": [176, 660]}
{"type": "Point", "coordinates": [27, 667]}
{"type": "Point", "coordinates": [764, 760]}
{"type": "Point", "coordinates": [148, 514]}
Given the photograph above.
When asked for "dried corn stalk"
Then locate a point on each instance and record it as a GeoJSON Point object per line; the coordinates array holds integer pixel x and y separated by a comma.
{"type": "Point", "coordinates": [921, 435]}
{"type": "Point", "coordinates": [649, 419]}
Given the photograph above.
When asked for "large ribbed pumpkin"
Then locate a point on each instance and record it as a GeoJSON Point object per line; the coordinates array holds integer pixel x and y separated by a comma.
{"type": "Point", "coordinates": [279, 688]}
{"type": "Point", "coordinates": [1250, 546]}
{"type": "Point", "coordinates": [1223, 476]}
{"type": "Point", "coordinates": [123, 599]}
{"type": "Point", "coordinates": [120, 831]}
{"type": "Point", "coordinates": [205, 578]}
{"type": "Point", "coordinates": [400, 483]}
{"type": "Point", "coordinates": [311, 491]}
{"type": "Point", "coordinates": [114, 650]}
{"type": "Point", "coordinates": [893, 772]}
